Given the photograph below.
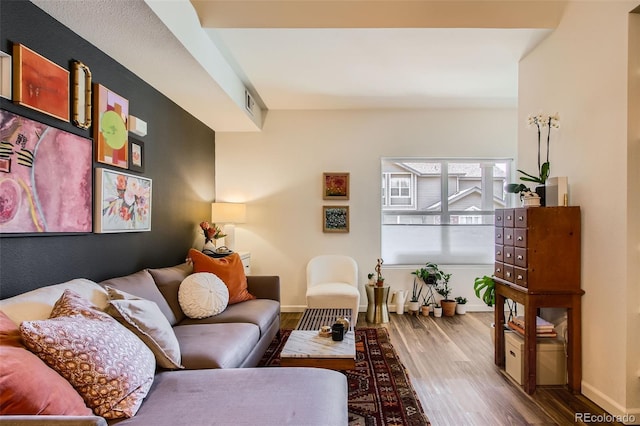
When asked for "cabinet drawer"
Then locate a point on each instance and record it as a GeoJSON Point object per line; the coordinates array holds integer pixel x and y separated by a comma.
{"type": "Point", "coordinates": [498, 218]}
{"type": "Point", "coordinates": [499, 235]}
{"type": "Point", "coordinates": [508, 218]}
{"type": "Point", "coordinates": [520, 237]}
{"type": "Point", "coordinates": [508, 236]}
{"type": "Point", "coordinates": [498, 270]}
{"type": "Point", "coordinates": [499, 253]}
{"type": "Point", "coordinates": [520, 258]}
{"type": "Point", "coordinates": [520, 218]}
{"type": "Point", "coordinates": [520, 276]}
{"type": "Point", "coordinates": [508, 273]}
{"type": "Point", "coordinates": [508, 254]}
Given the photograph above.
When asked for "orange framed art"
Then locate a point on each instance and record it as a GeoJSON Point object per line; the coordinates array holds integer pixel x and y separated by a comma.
{"type": "Point", "coordinates": [110, 127]}
{"type": "Point", "coordinates": [39, 83]}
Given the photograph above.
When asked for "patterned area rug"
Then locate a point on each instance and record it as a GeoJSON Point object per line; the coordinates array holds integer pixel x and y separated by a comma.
{"type": "Point", "coordinates": [380, 393]}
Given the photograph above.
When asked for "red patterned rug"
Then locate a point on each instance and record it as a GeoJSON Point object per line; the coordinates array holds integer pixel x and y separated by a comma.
{"type": "Point", "coordinates": [380, 393]}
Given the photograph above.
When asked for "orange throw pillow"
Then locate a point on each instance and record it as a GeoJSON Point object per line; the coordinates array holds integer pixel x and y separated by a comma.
{"type": "Point", "coordinates": [229, 269]}
{"type": "Point", "coordinates": [28, 385]}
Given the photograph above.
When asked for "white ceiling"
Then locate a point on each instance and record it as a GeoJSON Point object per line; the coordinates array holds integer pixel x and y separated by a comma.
{"type": "Point", "coordinates": [349, 59]}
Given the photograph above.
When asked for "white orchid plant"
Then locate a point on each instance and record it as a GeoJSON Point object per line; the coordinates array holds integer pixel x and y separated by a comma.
{"type": "Point", "coordinates": [541, 121]}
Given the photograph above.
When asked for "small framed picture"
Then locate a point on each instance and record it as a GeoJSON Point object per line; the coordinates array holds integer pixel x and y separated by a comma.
{"type": "Point", "coordinates": [335, 218]}
{"type": "Point", "coordinates": [122, 202]}
{"type": "Point", "coordinates": [136, 155]}
{"type": "Point", "coordinates": [335, 186]}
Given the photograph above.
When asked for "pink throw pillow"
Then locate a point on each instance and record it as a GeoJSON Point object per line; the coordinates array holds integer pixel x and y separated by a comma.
{"type": "Point", "coordinates": [27, 385]}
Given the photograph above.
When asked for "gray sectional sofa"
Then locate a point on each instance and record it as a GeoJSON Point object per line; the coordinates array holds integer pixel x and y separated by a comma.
{"type": "Point", "coordinates": [219, 385]}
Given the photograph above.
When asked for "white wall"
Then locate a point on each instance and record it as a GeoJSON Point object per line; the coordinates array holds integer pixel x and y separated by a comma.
{"type": "Point", "coordinates": [580, 71]}
{"type": "Point", "coordinates": [278, 173]}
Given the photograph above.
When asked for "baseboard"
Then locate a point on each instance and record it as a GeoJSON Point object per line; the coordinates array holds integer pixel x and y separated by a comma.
{"type": "Point", "coordinates": [471, 307]}
{"type": "Point", "coordinates": [625, 415]}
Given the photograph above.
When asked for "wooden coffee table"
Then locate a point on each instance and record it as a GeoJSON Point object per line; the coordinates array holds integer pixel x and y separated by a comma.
{"type": "Point", "coordinates": [305, 347]}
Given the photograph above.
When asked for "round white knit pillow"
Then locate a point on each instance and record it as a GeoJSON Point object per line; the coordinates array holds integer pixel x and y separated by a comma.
{"type": "Point", "coordinates": [202, 295]}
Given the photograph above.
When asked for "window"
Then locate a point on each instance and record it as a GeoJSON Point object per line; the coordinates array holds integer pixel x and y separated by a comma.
{"type": "Point", "coordinates": [441, 210]}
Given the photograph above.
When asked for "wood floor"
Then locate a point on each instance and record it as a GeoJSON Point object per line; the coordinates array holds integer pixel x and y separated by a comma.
{"type": "Point", "coordinates": [450, 363]}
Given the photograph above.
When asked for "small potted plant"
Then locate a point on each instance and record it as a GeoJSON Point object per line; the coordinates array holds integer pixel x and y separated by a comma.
{"type": "Point", "coordinates": [425, 306]}
{"type": "Point", "coordinates": [461, 307]}
{"type": "Point", "coordinates": [370, 276]}
{"type": "Point", "coordinates": [437, 311]}
{"type": "Point", "coordinates": [414, 303]}
{"type": "Point", "coordinates": [444, 290]}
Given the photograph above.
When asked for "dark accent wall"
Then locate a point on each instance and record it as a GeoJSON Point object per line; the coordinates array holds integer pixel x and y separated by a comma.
{"type": "Point", "coordinates": [179, 153]}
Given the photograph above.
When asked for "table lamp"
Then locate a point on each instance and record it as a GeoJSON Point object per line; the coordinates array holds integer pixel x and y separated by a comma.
{"type": "Point", "coordinates": [229, 214]}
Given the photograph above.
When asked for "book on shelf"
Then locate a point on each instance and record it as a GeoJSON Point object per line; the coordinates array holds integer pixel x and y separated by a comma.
{"type": "Point", "coordinates": [520, 330]}
{"type": "Point", "coordinates": [542, 325]}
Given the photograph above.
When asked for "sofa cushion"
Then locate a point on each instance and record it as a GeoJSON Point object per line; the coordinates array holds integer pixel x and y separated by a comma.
{"type": "Point", "coordinates": [141, 284]}
{"type": "Point", "coordinates": [107, 364]}
{"type": "Point", "coordinates": [228, 268]}
{"type": "Point", "coordinates": [261, 312]}
{"type": "Point", "coordinates": [168, 282]}
{"type": "Point", "coordinates": [216, 345]}
{"type": "Point", "coordinates": [27, 384]}
{"type": "Point", "coordinates": [246, 396]}
{"type": "Point", "coordinates": [202, 295]}
{"type": "Point", "coordinates": [37, 304]}
{"type": "Point", "coordinates": [145, 320]}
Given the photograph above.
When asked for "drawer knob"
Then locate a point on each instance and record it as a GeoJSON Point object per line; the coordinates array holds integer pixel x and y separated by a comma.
{"type": "Point", "coordinates": [499, 235]}
{"type": "Point", "coordinates": [508, 274]}
{"type": "Point", "coordinates": [508, 255]}
{"type": "Point", "coordinates": [508, 237]}
{"type": "Point", "coordinates": [520, 277]}
{"type": "Point", "coordinates": [498, 253]}
{"type": "Point", "coordinates": [519, 257]}
{"type": "Point", "coordinates": [508, 217]}
{"type": "Point", "coordinates": [498, 269]}
{"type": "Point", "coordinates": [520, 238]}
{"type": "Point", "coordinates": [520, 218]}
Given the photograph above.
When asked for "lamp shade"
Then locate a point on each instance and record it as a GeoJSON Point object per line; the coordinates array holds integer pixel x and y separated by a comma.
{"type": "Point", "coordinates": [228, 212]}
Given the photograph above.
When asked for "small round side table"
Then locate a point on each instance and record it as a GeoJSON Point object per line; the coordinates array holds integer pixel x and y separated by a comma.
{"type": "Point", "coordinates": [377, 309]}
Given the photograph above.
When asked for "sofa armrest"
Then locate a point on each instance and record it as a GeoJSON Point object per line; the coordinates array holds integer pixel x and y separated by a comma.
{"type": "Point", "coordinates": [52, 420]}
{"type": "Point", "coordinates": [264, 286]}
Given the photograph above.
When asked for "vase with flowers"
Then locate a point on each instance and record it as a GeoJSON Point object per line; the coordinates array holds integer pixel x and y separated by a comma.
{"type": "Point", "coordinates": [212, 232]}
{"type": "Point", "coordinates": [542, 122]}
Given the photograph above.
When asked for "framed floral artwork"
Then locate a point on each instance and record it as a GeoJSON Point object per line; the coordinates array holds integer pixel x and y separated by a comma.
{"type": "Point", "coordinates": [136, 155]}
{"type": "Point", "coordinates": [110, 124]}
{"type": "Point", "coordinates": [39, 83]}
{"type": "Point", "coordinates": [335, 186]}
{"type": "Point", "coordinates": [335, 218]}
{"type": "Point", "coordinates": [123, 202]}
{"type": "Point", "coordinates": [46, 178]}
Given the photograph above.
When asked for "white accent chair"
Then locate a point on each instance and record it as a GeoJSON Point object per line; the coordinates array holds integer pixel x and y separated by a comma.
{"type": "Point", "coordinates": [332, 282]}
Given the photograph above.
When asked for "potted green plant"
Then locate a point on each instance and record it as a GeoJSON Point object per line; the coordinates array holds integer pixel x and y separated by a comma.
{"type": "Point", "coordinates": [414, 303]}
{"type": "Point", "coordinates": [541, 122]}
{"type": "Point", "coordinates": [437, 311]}
{"type": "Point", "coordinates": [461, 306]}
{"type": "Point", "coordinates": [444, 290]}
{"type": "Point", "coordinates": [485, 289]}
{"type": "Point", "coordinates": [430, 274]}
{"type": "Point", "coordinates": [370, 276]}
{"type": "Point", "coordinates": [425, 306]}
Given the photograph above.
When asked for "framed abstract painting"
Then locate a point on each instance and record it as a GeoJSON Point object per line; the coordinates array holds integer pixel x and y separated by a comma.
{"type": "Point", "coordinates": [110, 124]}
{"type": "Point", "coordinates": [335, 218]}
{"type": "Point", "coordinates": [335, 186]}
{"type": "Point", "coordinates": [45, 178]}
{"type": "Point", "coordinates": [39, 83]}
{"type": "Point", "coordinates": [123, 202]}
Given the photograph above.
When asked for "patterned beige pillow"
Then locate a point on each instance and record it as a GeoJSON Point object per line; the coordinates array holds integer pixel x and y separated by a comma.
{"type": "Point", "coordinates": [145, 319]}
{"type": "Point", "coordinates": [107, 364]}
